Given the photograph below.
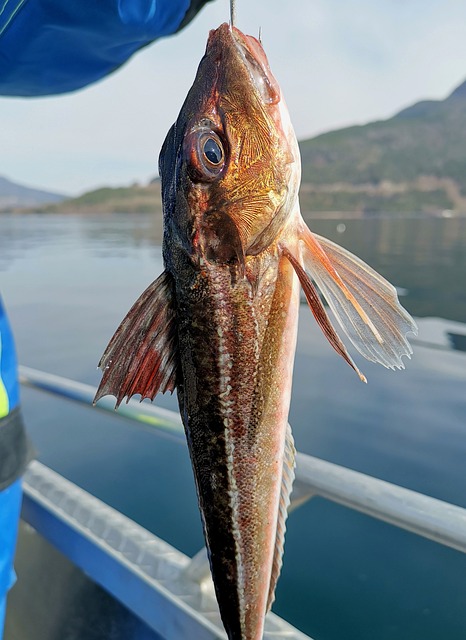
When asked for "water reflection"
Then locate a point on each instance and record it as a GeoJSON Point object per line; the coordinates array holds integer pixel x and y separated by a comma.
{"type": "Point", "coordinates": [427, 257]}
{"type": "Point", "coordinates": [130, 231]}
{"type": "Point", "coordinates": [116, 235]}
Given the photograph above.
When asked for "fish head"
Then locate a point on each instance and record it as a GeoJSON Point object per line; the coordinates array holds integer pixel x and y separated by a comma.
{"type": "Point", "coordinates": [230, 165]}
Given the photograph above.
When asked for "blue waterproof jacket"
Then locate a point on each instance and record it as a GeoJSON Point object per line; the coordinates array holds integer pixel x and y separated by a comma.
{"type": "Point", "coordinates": [49, 47]}
{"type": "Point", "coordinates": [14, 455]}
{"type": "Point", "coordinates": [13, 443]}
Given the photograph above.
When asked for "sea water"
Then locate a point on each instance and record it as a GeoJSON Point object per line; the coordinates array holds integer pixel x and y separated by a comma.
{"type": "Point", "coordinates": [67, 281]}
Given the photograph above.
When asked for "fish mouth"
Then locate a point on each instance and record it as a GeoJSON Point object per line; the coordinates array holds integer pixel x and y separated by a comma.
{"type": "Point", "coordinates": [248, 50]}
{"type": "Point", "coordinates": [255, 60]}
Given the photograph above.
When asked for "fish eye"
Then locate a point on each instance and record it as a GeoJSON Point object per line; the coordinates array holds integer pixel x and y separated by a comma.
{"type": "Point", "coordinates": [212, 151]}
{"type": "Point", "coordinates": [205, 153]}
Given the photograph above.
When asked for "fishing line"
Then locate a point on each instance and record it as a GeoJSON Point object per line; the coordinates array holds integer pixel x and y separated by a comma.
{"type": "Point", "coordinates": [232, 12]}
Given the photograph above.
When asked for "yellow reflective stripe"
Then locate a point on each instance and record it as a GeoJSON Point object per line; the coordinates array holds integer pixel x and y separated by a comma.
{"type": "Point", "coordinates": [4, 403]}
{"type": "Point", "coordinates": [4, 400]}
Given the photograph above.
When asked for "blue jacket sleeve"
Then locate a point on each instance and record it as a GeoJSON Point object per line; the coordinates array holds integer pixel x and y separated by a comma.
{"type": "Point", "coordinates": [50, 47]}
{"type": "Point", "coordinates": [9, 391]}
{"type": "Point", "coordinates": [15, 451]}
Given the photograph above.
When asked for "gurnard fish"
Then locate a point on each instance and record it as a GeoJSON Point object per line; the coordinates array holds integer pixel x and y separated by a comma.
{"type": "Point", "coordinates": [220, 323]}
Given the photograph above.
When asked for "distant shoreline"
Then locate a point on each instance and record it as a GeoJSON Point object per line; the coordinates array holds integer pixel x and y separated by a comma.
{"type": "Point", "coordinates": [307, 215]}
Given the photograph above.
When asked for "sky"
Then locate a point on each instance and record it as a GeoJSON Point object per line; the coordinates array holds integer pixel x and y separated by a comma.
{"type": "Point", "coordinates": [338, 62]}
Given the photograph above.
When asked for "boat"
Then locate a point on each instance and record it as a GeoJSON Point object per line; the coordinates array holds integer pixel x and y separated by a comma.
{"type": "Point", "coordinates": [94, 573]}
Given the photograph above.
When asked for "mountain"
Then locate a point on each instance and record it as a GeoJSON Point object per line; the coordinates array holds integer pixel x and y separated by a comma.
{"type": "Point", "coordinates": [415, 161]}
{"type": "Point", "coordinates": [13, 195]}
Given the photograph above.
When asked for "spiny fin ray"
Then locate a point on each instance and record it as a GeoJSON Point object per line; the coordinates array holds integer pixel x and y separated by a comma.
{"type": "Point", "coordinates": [364, 303]}
{"type": "Point", "coordinates": [367, 307]}
{"type": "Point", "coordinates": [318, 310]}
{"type": "Point", "coordinates": [142, 356]}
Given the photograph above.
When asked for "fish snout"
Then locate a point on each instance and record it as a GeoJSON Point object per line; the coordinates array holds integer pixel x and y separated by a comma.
{"type": "Point", "coordinates": [255, 60]}
{"type": "Point", "coordinates": [232, 46]}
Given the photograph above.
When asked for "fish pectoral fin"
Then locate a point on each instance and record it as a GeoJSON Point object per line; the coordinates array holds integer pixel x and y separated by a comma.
{"type": "Point", "coordinates": [364, 303]}
{"type": "Point", "coordinates": [288, 474]}
{"type": "Point", "coordinates": [142, 356]}
{"type": "Point", "coordinates": [318, 310]}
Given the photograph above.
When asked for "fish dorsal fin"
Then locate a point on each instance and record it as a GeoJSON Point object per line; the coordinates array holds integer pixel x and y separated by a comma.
{"type": "Point", "coordinates": [285, 492]}
{"type": "Point", "coordinates": [142, 356]}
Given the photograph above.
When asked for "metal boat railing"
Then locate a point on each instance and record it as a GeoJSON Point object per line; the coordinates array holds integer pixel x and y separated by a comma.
{"type": "Point", "coordinates": [182, 585]}
{"type": "Point", "coordinates": [428, 517]}
{"type": "Point", "coordinates": [155, 581]}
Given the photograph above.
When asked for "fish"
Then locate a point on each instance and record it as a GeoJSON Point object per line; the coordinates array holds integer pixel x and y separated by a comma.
{"type": "Point", "coordinates": [219, 325]}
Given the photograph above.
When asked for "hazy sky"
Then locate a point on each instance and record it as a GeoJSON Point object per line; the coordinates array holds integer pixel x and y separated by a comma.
{"type": "Point", "coordinates": [338, 63]}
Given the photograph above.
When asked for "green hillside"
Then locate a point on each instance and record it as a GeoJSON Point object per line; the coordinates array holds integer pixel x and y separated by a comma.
{"type": "Point", "coordinates": [413, 161]}
{"type": "Point", "coordinates": [134, 199]}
